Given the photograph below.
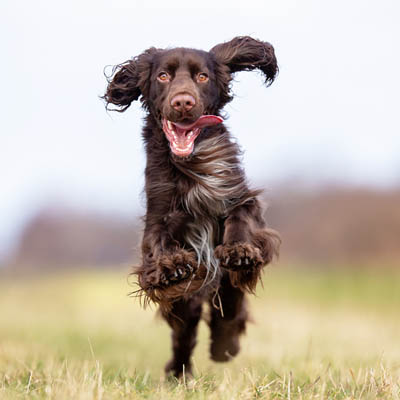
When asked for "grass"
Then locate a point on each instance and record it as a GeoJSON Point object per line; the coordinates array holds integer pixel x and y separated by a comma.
{"type": "Point", "coordinates": [331, 334]}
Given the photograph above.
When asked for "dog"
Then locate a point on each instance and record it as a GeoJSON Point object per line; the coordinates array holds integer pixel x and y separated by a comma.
{"type": "Point", "coordinates": [205, 238]}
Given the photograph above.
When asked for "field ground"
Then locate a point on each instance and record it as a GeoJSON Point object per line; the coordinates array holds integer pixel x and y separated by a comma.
{"type": "Point", "coordinates": [332, 334]}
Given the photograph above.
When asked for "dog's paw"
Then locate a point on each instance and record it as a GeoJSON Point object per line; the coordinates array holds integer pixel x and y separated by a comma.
{"type": "Point", "coordinates": [244, 263]}
{"type": "Point", "coordinates": [170, 277]}
{"type": "Point", "coordinates": [176, 267]}
{"type": "Point", "coordinates": [239, 256]}
{"type": "Point", "coordinates": [176, 369]}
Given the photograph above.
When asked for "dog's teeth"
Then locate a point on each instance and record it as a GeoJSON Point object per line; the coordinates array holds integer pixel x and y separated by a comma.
{"type": "Point", "coordinates": [246, 261]}
{"type": "Point", "coordinates": [179, 271]}
{"type": "Point", "coordinates": [169, 125]}
{"type": "Point", "coordinates": [227, 260]}
{"type": "Point", "coordinates": [239, 262]}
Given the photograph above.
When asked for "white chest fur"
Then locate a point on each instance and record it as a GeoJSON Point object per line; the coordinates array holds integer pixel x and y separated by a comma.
{"type": "Point", "coordinates": [216, 188]}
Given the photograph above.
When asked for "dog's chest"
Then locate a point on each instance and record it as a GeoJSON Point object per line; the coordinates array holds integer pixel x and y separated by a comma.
{"type": "Point", "coordinates": [206, 203]}
{"type": "Point", "coordinates": [212, 179]}
{"type": "Point", "coordinates": [211, 184]}
{"type": "Point", "coordinates": [206, 197]}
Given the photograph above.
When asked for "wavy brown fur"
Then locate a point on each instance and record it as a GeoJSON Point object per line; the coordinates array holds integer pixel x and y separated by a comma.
{"type": "Point", "coordinates": [205, 237]}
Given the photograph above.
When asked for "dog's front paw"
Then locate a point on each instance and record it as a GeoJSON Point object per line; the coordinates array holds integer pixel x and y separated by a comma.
{"type": "Point", "coordinates": [239, 256]}
{"type": "Point", "coordinates": [170, 277]}
{"type": "Point", "coordinates": [176, 267]}
{"type": "Point", "coordinates": [244, 262]}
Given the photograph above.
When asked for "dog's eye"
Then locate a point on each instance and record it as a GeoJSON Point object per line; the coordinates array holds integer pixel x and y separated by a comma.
{"type": "Point", "coordinates": [163, 77]}
{"type": "Point", "coordinates": [202, 77]}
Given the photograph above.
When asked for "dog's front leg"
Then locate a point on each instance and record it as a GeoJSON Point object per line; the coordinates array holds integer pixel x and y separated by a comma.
{"type": "Point", "coordinates": [247, 245]}
{"type": "Point", "coordinates": [168, 271]}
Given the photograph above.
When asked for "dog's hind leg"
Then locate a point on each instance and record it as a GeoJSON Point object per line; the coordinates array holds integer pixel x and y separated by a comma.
{"type": "Point", "coordinates": [183, 318]}
{"type": "Point", "coordinates": [228, 320]}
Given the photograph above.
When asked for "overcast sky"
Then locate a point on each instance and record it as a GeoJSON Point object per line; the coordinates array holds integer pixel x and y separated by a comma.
{"type": "Point", "coordinates": [331, 115]}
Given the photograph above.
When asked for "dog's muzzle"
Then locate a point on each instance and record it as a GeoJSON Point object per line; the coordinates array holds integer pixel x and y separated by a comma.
{"type": "Point", "coordinates": [181, 136]}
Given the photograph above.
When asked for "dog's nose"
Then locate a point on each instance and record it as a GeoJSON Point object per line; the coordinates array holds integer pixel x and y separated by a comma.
{"type": "Point", "coordinates": [183, 102]}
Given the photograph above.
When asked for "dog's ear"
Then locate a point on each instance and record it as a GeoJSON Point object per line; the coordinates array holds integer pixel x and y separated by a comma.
{"type": "Point", "coordinates": [129, 80]}
{"type": "Point", "coordinates": [244, 53]}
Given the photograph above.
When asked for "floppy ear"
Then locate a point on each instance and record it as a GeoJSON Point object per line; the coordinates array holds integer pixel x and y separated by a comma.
{"type": "Point", "coordinates": [129, 80]}
{"type": "Point", "coordinates": [244, 53]}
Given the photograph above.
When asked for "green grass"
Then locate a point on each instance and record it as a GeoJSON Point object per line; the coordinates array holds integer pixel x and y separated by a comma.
{"type": "Point", "coordinates": [331, 334]}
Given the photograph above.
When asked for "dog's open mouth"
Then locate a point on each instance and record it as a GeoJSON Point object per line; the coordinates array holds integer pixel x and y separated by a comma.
{"type": "Point", "coordinates": [181, 136]}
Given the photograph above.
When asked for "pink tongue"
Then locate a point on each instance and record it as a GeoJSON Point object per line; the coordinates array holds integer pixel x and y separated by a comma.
{"type": "Point", "coordinates": [202, 122]}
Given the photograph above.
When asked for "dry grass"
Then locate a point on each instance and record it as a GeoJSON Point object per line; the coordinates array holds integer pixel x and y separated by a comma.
{"type": "Point", "coordinates": [322, 335]}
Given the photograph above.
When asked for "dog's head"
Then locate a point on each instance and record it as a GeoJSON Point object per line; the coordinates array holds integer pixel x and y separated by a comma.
{"type": "Point", "coordinates": [185, 89]}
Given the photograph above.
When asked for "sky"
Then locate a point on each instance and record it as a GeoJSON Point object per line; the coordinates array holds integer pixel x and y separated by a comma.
{"type": "Point", "coordinates": [332, 115]}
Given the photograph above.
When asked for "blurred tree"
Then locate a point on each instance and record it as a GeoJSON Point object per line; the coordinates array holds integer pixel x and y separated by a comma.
{"type": "Point", "coordinates": [59, 238]}
{"type": "Point", "coordinates": [334, 225]}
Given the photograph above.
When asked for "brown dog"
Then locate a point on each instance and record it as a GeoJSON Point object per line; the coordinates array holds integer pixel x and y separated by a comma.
{"type": "Point", "coordinates": [205, 237]}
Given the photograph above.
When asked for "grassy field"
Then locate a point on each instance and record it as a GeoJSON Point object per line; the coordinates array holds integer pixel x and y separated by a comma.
{"type": "Point", "coordinates": [332, 334]}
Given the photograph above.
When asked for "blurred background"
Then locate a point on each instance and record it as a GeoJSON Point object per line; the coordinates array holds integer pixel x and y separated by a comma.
{"type": "Point", "coordinates": [323, 140]}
